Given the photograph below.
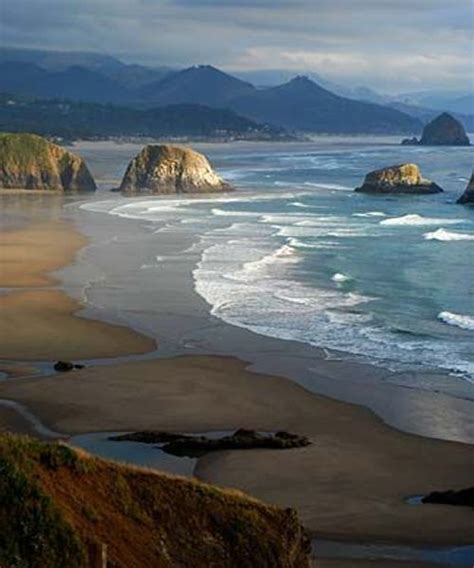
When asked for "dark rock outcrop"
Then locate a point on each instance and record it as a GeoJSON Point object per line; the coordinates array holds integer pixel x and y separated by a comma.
{"type": "Point", "coordinates": [28, 161]}
{"type": "Point", "coordinates": [468, 195]}
{"type": "Point", "coordinates": [66, 366]}
{"type": "Point", "coordinates": [444, 130]}
{"type": "Point", "coordinates": [195, 446]}
{"type": "Point", "coordinates": [462, 498]}
{"type": "Point", "coordinates": [403, 178]}
{"type": "Point", "coordinates": [171, 169]}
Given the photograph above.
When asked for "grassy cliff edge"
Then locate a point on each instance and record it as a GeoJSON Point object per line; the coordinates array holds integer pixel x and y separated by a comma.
{"type": "Point", "coordinates": [56, 501]}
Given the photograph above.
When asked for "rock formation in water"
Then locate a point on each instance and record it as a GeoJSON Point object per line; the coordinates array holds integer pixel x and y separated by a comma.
{"type": "Point", "coordinates": [403, 178]}
{"type": "Point", "coordinates": [171, 169]}
{"type": "Point", "coordinates": [468, 195]}
{"type": "Point", "coordinates": [444, 130]}
{"type": "Point", "coordinates": [28, 161]}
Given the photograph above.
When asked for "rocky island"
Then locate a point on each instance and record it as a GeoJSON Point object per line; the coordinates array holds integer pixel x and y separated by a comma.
{"type": "Point", "coordinates": [468, 195]}
{"type": "Point", "coordinates": [171, 169]}
{"type": "Point", "coordinates": [403, 178]}
{"type": "Point", "coordinates": [31, 162]}
{"type": "Point", "coordinates": [444, 130]}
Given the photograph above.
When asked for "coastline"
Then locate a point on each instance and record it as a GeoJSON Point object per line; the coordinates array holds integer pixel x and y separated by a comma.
{"type": "Point", "coordinates": [181, 322]}
{"type": "Point", "coordinates": [343, 485]}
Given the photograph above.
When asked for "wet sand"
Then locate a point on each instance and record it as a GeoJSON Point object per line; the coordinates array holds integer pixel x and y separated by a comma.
{"type": "Point", "coordinates": [350, 484]}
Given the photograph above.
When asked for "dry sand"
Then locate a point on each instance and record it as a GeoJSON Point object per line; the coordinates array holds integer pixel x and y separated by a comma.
{"type": "Point", "coordinates": [38, 323]}
{"type": "Point", "coordinates": [27, 256]}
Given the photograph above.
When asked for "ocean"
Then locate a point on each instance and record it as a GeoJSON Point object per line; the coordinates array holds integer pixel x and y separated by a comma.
{"type": "Point", "coordinates": [295, 254]}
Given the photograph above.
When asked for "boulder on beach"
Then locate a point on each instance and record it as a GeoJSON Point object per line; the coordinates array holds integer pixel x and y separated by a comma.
{"type": "Point", "coordinates": [171, 169]}
{"type": "Point", "coordinates": [461, 498]}
{"type": "Point", "coordinates": [444, 130]}
{"type": "Point", "coordinates": [468, 196]}
{"type": "Point", "coordinates": [28, 161]}
{"type": "Point", "coordinates": [402, 178]}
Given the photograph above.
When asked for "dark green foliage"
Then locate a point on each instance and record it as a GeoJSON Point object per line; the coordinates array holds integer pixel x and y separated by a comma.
{"type": "Point", "coordinates": [32, 532]}
{"type": "Point", "coordinates": [73, 120]}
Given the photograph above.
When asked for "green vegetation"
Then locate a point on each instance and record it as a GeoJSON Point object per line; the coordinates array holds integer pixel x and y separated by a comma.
{"type": "Point", "coordinates": [23, 149]}
{"type": "Point", "coordinates": [33, 532]}
{"type": "Point", "coordinates": [55, 501]}
{"type": "Point", "coordinates": [75, 120]}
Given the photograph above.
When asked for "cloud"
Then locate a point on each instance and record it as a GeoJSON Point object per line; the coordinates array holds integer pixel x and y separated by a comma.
{"type": "Point", "coordinates": [386, 44]}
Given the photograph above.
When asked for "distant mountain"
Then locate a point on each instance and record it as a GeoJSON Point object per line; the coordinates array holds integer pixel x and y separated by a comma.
{"type": "Point", "coordinates": [203, 84]}
{"type": "Point", "coordinates": [464, 104]}
{"type": "Point", "coordinates": [451, 101]}
{"type": "Point", "coordinates": [134, 77]}
{"type": "Point", "coordinates": [303, 105]}
{"type": "Point", "coordinates": [300, 104]}
{"type": "Point", "coordinates": [60, 60]}
{"type": "Point", "coordinates": [74, 83]}
{"type": "Point", "coordinates": [72, 120]}
{"type": "Point", "coordinates": [427, 114]}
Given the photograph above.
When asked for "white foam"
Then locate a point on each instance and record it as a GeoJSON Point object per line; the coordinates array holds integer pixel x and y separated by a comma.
{"type": "Point", "coordinates": [370, 214]}
{"type": "Point", "coordinates": [334, 186]}
{"type": "Point", "coordinates": [340, 278]}
{"type": "Point", "coordinates": [458, 320]}
{"type": "Point", "coordinates": [224, 213]}
{"type": "Point", "coordinates": [448, 236]}
{"type": "Point", "coordinates": [416, 220]}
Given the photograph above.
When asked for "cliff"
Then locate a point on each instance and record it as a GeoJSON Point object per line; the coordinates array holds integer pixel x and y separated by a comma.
{"type": "Point", "coordinates": [57, 505]}
{"type": "Point", "coordinates": [468, 195]}
{"type": "Point", "coordinates": [28, 161]}
{"type": "Point", "coordinates": [403, 178]}
{"type": "Point", "coordinates": [171, 169]}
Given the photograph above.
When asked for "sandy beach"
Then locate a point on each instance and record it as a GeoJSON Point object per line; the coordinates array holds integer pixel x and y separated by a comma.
{"type": "Point", "coordinates": [38, 322]}
{"type": "Point", "coordinates": [349, 485]}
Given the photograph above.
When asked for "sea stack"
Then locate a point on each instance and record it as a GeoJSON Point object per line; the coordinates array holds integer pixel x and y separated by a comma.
{"type": "Point", "coordinates": [468, 195]}
{"type": "Point", "coordinates": [28, 161]}
{"type": "Point", "coordinates": [403, 178]}
{"type": "Point", "coordinates": [444, 130]}
{"type": "Point", "coordinates": [171, 169]}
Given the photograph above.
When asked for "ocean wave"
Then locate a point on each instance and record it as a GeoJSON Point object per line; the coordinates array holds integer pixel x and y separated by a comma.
{"type": "Point", "coordinates": [458, 320]}
{"type": "Point", "coordinates": [370, 214]}
{"type": "Point", "coordinates": [416, 220]}
{"type": "Point", "coordinates": [339, 277]}
{"type": "Point", "coordinates": [323, 231]}
{"type": "Point", "coordinates": [297, 243]}
{"type": "Point", "coordinates": [448, 236]}
{"type": "Point", "coordinates": [300, 204]}
{"type": "Point", "coordinates": [224, 213]}
{"type": "Point", "coordinates": [258, 269]}
{"type": "Point", "coordinates": [334, 186]}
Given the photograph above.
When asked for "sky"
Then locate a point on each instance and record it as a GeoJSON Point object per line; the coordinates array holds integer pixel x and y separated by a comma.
{"type": "Point", "coordinates": [389, 45]}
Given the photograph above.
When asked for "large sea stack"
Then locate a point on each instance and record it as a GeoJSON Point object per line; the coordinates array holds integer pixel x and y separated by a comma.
{"type": "Point", "coordinates": [28, 161]}
{"type": "Point", "coordinates": [171, 169]}
{"type": "Point", "coordinates": [403, 178]}
{"type": "Point", "coordinates": [468, 195]}
{"type": "Point", "coordinates": [444, 130]}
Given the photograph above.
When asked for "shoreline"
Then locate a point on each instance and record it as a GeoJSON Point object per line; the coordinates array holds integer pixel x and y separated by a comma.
{"type": "Point", "coordinates": [343, 485]}
{"type": "Point", "coordinates": [186, 327]}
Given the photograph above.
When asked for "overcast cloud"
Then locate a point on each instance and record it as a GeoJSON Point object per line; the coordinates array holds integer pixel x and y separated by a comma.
{"type": "Point", "coordinates": [390, 45]}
